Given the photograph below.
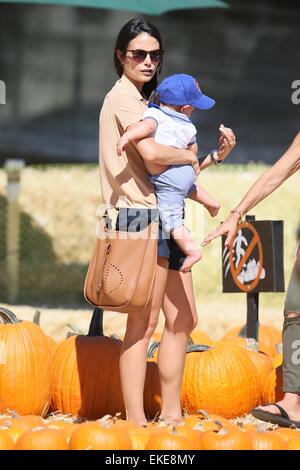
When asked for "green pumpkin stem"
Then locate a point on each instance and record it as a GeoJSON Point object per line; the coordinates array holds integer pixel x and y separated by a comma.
{"type": "Point", "coordinates": [8, 316]}
{"type": "Point", "coordinates": [37, 317]}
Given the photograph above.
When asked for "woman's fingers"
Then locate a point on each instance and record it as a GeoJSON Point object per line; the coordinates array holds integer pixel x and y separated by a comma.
{"type": "Point", "coordinates": [212, 235]}
{"type": "Point", "coordinates": [230, 236]}
{"type": "Point", "coordinates": [228, 227]}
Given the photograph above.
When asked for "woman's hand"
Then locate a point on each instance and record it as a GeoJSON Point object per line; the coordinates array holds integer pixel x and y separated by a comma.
{"type": "Point", "coordinates": [226, 142]}
{"type": "Point", "coordinates": [228, 227]}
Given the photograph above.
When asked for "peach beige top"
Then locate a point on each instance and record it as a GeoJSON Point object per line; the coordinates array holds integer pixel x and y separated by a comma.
{"type": "Point", "coordinates": [124, 179]}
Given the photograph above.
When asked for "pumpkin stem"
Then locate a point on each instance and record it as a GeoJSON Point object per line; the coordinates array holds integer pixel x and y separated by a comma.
{"type": "Point", "coordinates": [114, 336]}
{"type": "Point", "coordinates": [153, 347]}
{"type": "Point", "coordinates": [14, 414]}
{"type": "Point", "coordinates": [96, 325]}
{"type": "Point", "coordinates": [8, 316]}
{"type": "Point", "coordinates": [197, 348]}
{"type": "Point", "coordinates": [173, 430]}
{"type": "Point", "coordinates": [106, 419]}
{"type": "Point", "coordinates": [37, 317]}
{"type": "Point", "coordinates": [222, 431]}
{"type": "Point", "coordinates": [204, 413]}
{"type": "Point", "coordinates": [260, 427]}
{"type": "Point", "coordinates": [74, 330]}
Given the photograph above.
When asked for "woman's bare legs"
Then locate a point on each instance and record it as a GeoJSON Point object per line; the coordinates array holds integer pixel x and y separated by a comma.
{"type": "Point", "coordinates": [181, 318]}
{"type": "Point", "coordinates": [139, 329]}
{"type": "Point", "coordinates": [183, 238]}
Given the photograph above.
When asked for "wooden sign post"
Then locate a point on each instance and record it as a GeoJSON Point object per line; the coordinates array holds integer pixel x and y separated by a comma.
{"type": "Point", "coordinates": [253, 263]}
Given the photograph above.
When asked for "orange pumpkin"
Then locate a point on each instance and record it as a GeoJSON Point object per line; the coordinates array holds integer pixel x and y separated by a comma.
{"type": "Point", "coordinates": [66, 428]}
{"type": "Point", "coordinates": [226, 438]}
{"type": "Point", "coordinates": [221, 379]}
{"type": "Point", "coordinates": [169, 440]}
{"type": "Point", "coordinates": [294, 444]}
{"type": "Point", "coordinates": [192, 435]}
{"type": "Point", "coordinates": [267, 440]}
{"type": "Point", "coordinates": [139, 436]}
{"type": "Point", "coordinates": [6, 442]}
{"type": "Point", "coordinates": [42, 439]}
{"type": "Point", "coordinates": [268, 337]}
{"type": "Point", "coordinates": [287, 433]}
{"type": "Point", "coordinates": [204, 421]}
{"type": "Point", "coordinates": [263, 364]}
{"type": "Point", "coordinates": [86, 379]}
{"type": "Point", "coordinates": [25, 372]}
{"type": "Point", "coordinates": [152, 392]}
{"type": "Point", "coordinates": [97, 436]}
{"type": "Point", "coordinates": [273, 387]}
{"type": "Point", "coordinates": [199, 337]}
{"type": "Point", "coordinates": [18, 425]}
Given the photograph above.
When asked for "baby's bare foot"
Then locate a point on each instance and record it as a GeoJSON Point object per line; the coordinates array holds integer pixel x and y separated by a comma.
{"type": "Point", "coordinates": [190, 260]}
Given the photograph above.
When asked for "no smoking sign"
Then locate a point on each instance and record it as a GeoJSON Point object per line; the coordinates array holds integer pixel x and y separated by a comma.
{"type": "Point", "coordinates": [253, 262]}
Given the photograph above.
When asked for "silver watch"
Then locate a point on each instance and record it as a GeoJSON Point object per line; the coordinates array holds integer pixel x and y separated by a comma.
{"type": "Point", "coordinates": [213, 159]}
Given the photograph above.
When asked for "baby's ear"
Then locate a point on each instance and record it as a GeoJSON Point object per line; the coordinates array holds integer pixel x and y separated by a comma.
{"type": "Point", "coordinates": [187, 109]}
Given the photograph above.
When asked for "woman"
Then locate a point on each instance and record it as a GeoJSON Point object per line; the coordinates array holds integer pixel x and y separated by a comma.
{"type": "Point", "coordinates": [125, 185]}
{"type": "Point", "coordinates": [287, 411]}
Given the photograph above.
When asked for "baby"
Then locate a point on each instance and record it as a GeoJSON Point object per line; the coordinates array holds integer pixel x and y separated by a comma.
{"type": "Point", "coordinates": [170, 125]}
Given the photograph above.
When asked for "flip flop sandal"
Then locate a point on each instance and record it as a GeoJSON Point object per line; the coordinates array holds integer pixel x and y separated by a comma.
{"type": "Point", "coordinates": [282, 420]}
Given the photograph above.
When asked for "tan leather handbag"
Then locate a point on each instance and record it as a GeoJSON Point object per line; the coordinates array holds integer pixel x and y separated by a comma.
{"type": "Point", "coordinates": [122, 269]}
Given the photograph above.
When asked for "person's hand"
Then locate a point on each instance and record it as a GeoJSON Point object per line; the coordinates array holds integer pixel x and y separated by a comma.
{"type": "Point", "coordinates": [226, 142]}
{"type": "Point", "coordinates": [121, 144]}
{"type": "Point", "coordinates": [228, 227]}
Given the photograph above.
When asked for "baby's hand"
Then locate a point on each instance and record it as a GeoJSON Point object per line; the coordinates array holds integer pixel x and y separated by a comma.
{"type": "Point", "coordinates": [122, 142]}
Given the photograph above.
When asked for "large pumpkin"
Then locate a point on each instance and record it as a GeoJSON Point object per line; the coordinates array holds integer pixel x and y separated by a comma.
{"type": "Point", "coordinates": [99, 436]}
{"type": "Point", "coordinates": [273, 387]}
{"type": "Point", "coordinates": [86, 379]}
{"type": "Point", "coordinates": [268, 337]}
{"type": "Point", "coordinates": [220, 379]}
{"type": "Point", "coordinates": [152, 392]}
{"type": "Point", "coordinates": [25, 376]}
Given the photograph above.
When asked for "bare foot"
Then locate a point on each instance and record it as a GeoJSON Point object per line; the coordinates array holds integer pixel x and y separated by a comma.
{"type": "Point", "coordinates": [291, 406]}
{"type": "Point", "coordinates": [170, 421]}
{"type": "Point", "coordinates": [190, 260]}
{"type": "Point", "coordinates": [213, 210]}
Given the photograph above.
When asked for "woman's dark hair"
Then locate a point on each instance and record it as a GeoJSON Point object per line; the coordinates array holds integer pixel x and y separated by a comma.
{"type": "Point", "coordinates": [129, 31]}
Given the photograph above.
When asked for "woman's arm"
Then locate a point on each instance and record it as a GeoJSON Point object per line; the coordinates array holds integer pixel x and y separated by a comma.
{"type": "Point", "coordinates": [266, 184]}
{"type": "Point", "coordinates": [153, 152]}
{"type": "Point", "coordinates": [269, 181]}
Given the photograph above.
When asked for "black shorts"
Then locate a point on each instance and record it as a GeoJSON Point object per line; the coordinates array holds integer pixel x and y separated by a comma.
{"type": "Point", "coordinates": [167, 246]}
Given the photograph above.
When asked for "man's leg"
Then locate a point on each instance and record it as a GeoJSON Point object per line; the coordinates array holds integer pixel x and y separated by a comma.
{"type": "Point", "coordinates": [291, 349]}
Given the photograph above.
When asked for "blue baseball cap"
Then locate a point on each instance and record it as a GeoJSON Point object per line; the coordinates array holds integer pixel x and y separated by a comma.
{"type": "Point", "coordinates": [181, 89]}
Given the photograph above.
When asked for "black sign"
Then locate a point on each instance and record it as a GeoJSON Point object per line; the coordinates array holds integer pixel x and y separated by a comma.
{"type": "Point", "coordinates": [253, 262]}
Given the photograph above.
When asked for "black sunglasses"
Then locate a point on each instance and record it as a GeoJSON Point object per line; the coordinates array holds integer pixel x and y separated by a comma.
{"type": "Point", "coordinates": [139, 55]}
